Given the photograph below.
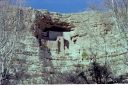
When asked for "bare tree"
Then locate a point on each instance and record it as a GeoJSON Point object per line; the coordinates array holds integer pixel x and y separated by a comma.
{"type": "Point", "coordinates": [8, 38]}
{"type": "Point", "coordinates": [119, 9]}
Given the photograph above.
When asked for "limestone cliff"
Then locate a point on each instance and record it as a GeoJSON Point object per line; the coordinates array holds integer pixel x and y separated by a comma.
{"type": "Point", "coordinates": [94, 37]}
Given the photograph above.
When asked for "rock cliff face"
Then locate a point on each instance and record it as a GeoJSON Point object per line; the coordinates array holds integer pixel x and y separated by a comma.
{"type": "Point", "coordinates": [95, 37]}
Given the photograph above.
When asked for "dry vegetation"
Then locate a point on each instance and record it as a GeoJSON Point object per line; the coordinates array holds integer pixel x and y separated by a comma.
{"type": "Point", "coordinates": [8, 38]}
{"type": "Point", "coordinates": [99, 74]}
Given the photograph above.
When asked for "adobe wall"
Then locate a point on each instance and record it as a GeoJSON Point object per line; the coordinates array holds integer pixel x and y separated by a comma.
{"type": "Point", "coordinates": [41, 66]}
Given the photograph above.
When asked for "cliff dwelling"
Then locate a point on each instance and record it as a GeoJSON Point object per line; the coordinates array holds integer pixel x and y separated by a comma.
{"type": "Point", "coordinates": [49, 33]}
{"type": "Point", "coordinates": [41, 47]}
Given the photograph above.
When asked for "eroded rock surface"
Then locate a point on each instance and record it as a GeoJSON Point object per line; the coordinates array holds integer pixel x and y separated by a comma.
{"type": "Point", "coordinates": [95, 37]}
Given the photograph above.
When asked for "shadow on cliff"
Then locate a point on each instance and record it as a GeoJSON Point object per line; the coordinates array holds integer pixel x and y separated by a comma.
{"type": "Point", "coordinates": [47, 65]}
{"type": "Point", "coordinates": [95, 74]}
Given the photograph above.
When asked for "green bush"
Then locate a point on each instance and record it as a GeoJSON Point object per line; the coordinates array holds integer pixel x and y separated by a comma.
{"type": "Point", "coordinates": [84, 55]}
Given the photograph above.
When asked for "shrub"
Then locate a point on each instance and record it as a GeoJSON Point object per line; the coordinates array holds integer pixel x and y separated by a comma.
{"type": "Point", "coordinates": [84, 55]}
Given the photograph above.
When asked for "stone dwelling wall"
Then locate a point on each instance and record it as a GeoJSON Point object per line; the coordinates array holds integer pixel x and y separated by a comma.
{"type": "Point", "coordinates": [37, 66]}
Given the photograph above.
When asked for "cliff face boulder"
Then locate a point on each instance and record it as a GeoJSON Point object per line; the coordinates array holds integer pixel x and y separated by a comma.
{"type": "Point", "coordinates": [97, 38]}
{"type": "Point", "coordinates": [94, 37]}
